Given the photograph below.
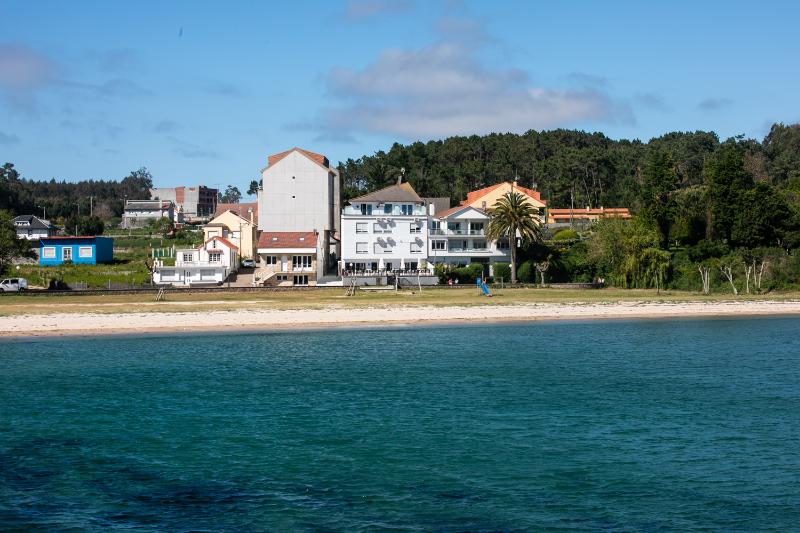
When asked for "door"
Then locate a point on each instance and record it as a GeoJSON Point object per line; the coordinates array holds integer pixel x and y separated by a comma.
{"type": "Point", "coordinates": [66, 254]}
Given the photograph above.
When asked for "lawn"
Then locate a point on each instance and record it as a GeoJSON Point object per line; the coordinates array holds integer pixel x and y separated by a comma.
{"type": "Point", "coordinates": [326, 298]}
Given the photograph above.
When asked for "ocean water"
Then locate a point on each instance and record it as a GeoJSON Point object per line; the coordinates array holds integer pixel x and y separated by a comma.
{"type": "Point", "coordinates": [678, 425]}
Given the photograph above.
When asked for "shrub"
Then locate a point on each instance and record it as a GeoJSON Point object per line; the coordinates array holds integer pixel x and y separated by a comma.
{"type": "Point", "coordinates": [502, 270]}
{"type": "Point", "coordinates": [565, 235]}
{"type": "Point", "coordinates": [526, 273]}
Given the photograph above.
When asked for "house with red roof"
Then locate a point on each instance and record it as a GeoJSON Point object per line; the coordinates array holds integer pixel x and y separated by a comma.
{"type": "Point", "coordinates": [287, 258]}
{"type": "Point", "coordinates": [209, 264]}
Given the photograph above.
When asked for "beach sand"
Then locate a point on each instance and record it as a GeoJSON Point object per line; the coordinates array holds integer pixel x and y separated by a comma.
{"type": "Point", "coordinates": [220, 321]}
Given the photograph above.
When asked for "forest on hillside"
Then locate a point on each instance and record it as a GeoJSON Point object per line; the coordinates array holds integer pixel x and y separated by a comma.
{"type": "Point", "coordinates": [564, 165]}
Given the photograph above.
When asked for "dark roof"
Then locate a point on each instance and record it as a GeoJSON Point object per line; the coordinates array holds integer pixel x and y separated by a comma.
{"type": "Point", "coordinates": [33, 222]}
{"type": "Point", "coordinates": [439, 204]}
{"type": "Point", "coordinates": [394, 193]}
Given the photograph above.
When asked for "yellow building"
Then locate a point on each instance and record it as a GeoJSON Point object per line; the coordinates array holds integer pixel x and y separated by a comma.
{"type": "Point", "coordinates": [485, 198]}
{"type": "Point", "coordinates": [239, 230]}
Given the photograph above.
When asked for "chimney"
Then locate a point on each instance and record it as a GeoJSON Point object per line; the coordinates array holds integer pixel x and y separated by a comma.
{"type": "Point", "coordinates": [250, 210]}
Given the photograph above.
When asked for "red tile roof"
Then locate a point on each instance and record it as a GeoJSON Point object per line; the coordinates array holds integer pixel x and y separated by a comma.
{"type": "Point", "coordinates": [287, 239]}
{"type": "Point", "coordinates": [472, 196]}
{"type": "Point", "coordinates": [223, 240]}
{"type": "Point", "coordinates": [317, 158]}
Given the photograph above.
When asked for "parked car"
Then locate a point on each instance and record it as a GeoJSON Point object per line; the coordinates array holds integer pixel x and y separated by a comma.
{"type": "Point", "coordinates": [13, 284]}
{"type": "Point", "coordinates": [248, 263]}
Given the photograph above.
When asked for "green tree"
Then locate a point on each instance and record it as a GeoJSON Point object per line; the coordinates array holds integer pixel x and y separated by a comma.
{"type": "Point", "coordinates": [10, 246]}
{"type": "Point", "coordinates": [726, 178]}
{"type": "Point", "coordinates": [782, 151]}
{"type": "Point", "coordinates": [164, 226]}
{"type": "Point", "coordinates": [253, 189]}
{"type": "Point", "coordinates": [231, 196]}
{"type": "Point", "coordinates": [511, 216]}
{"type": "Point", "coordinates": [84, 225]}
{"type": "Point", "coordinates": [660, 180]}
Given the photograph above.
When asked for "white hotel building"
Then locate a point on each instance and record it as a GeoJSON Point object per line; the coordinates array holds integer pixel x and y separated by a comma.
{"type": "Point", "coordinates": [387, 230]}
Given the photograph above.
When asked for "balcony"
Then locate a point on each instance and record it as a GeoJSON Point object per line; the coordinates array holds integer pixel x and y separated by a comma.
{"type": "Point", "coordinates": [457, 232]}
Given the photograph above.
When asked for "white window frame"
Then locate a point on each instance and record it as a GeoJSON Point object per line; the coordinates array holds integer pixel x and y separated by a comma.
{"type": "Point", "coordinates": [49, 252]}
{"type": "Point", "coordinates": [300, 280]}
{"type": "Point", "coordinates": [85, 252]}
{"type": "Point", "coordinates": [362, 227]}
{"type": "Point", "coordinates": [270, 259]}
{"type": "Point", "coordinates": [66, 251]}
{"type": "Point", "coordinates": [440, 245]}
{"type": "Point", "coordinates": [214, 257]}
{"type": "Point", "coordinates": [416, 248]}
{"type": "Point", "coordinates": [415, 227]}
{"type": "Point", "coordinates": [362, 247]}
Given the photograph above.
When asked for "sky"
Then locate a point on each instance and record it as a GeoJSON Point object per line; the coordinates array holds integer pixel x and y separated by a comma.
{"type": "Point", "coordinates": [202, 92]}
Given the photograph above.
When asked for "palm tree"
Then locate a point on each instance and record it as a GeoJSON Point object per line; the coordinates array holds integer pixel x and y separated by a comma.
{"type": "Point", "coordinates": [510, 216]}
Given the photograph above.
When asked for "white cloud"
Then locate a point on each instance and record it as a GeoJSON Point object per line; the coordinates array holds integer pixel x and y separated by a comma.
{"type": "Point", "coordinates": [443, 89]}
{"type": "Point", "coordinates": [714, 104]}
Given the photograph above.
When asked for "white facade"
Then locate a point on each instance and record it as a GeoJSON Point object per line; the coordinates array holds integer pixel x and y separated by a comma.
{"type": "Point", "coordinates": [139, 213]}
{"type": "Point", "coordinates": [300, 193]}
{"type": "Point", "coordinates": [458, 237]}
{"type": "Point", "coordinates": [210, 263]}
{"type": "Point", "coordinates": [32, 228]}
{"type": "Point", "coordinates": [379, 236]}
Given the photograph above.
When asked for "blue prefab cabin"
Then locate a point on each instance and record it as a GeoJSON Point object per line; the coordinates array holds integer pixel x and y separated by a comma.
{"type": "Point", "coordinates": [78, 250]}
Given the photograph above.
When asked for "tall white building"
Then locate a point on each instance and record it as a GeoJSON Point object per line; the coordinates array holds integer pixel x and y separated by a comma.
{"type": "Point", "coordinates": [299, 194]}
{"type": "Point", "coordinates": [386, 230]}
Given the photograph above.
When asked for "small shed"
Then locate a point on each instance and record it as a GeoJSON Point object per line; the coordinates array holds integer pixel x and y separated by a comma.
{"type": "Point", "coordinates": [77, 250]}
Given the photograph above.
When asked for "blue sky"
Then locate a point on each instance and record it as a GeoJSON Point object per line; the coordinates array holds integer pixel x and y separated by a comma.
{"type": "Point", "coordinates": [202, 92]}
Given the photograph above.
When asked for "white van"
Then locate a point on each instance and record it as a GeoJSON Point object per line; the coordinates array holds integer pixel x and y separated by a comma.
{"type": "Point", "coordinates": [13, 284]}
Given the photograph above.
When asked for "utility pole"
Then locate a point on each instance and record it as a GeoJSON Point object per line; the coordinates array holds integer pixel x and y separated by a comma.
{"type": "Point", "coordinates": [91, 206]}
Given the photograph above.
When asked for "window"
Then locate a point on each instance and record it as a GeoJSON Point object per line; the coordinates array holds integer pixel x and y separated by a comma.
{"type": "Point", "coordinates": [214, 257]}
{"type": "Point", "coordinates": [49, 252]}
{"type": "Point", "coordinates": [66, 254]}
{"type": "Point", "coordinates": [416, 248]}
{"type": "Point", "coordinates": [407, 209]}
{"type": "Point", "coordinates": [85, 251]}
{"type": "Point", "coordinates": [455, 227]}
{"type": "Point", "coordinates": [415, 227]}
{"type": "Point", "coordinates": [361, 227]}
{"type": "Point", "coordinates": [479, 245]}
{"type": "Point", "coordinates": [271, 259]}
{"type": "Point", "coordinates": [301, 262]}
{"type": "Point", "coordinates": [476, 228]}
{"type": "Point", "coordinates": [438, 245]}
{"type": "Point", "coordinates": [188, 257]}
{"type": "Point", "coordinates": [502, 244]}
{"type": "Point", "coordinates": [301, 280]}
{"type": "Point", "coordinates": [383, 248]}
{"type": "Point", "coordinates": [361, 247]}
{"type": "Point", "coordinates": [387, 209]}
{"type": "Point", "coordinates": [436, 224]}
{"type": "Point", "coordinates": [366, 209]}
{"type": "Point", "coordinates": [282, 277]}
{"type": "Point", "coordinates": [381, 228]}
{"type": "Point", "coordinates": [213, 233]}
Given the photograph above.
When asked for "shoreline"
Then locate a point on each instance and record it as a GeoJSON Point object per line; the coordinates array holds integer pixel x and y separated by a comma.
{"type": "Point", "coordinates": [39, 326]}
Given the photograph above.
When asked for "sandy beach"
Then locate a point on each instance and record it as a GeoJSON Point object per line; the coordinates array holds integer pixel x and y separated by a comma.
{"type": "Point", "coordinates": [89, 323]}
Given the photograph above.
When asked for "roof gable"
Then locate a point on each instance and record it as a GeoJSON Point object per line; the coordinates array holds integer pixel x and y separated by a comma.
{"type": "Point", "coordinates": [462, 211]}
{"type": "Point", "coordinates": [315, 158]}
{"type": "Point", "coordinates": [402, 192]}
{"type": "Point", "coordinates": [221, 240]}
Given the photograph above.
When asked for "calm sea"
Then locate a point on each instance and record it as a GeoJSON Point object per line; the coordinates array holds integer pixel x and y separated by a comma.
{"type": "Point", "coordinates": [626, 426]}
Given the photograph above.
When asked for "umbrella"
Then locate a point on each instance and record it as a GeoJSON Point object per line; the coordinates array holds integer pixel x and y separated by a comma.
{"type": "Point", "coordinates": [402, 264]}
{"type": "Point", "coordinates": [381, 266]}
